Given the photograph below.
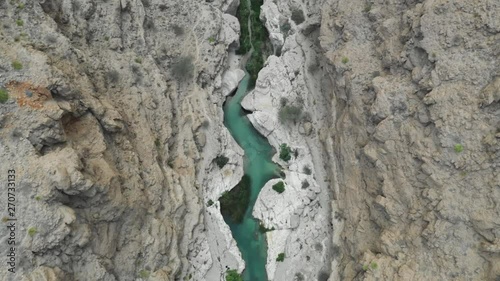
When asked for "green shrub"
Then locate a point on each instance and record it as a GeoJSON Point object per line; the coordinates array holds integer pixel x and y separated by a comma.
{"type": "Point", "coordinates": [182, 68]}
{"type": "Point", "coordinates": [32, 231]}
{"type": "Point", "coordinates": [19, 22]}
{"type": "Point", "coordinates": [285, 152]}
{"type": "Point", "coordinates": [251, 10]}
{"type": "Point", "coordinates": [20, 6]}
{"type": "Point", "coordinates": [345, 60]}
{"type": "Point", "coordinates": [138, 60]}
{"type": "Point", "coordinates": [279, 187]}
{"type": "Point", "coordinates": [459, 148]}
{"type": "Point", "coordinates": [373, 265]}
{"type": "Point", "coordinates": [298, 16]}
{"type": "Point", "coordinates": [233, 275]}
{"type": "Point", "coordinates": [38, 198]}
{"type": "Point", "coordinates": [281, 257]}
{"type": "Point", "coordinates": [210, 202]}
{"type": "Point", "coordinates": [4, 96]}
{"type": "Point", "coordinates": [221, 161]}
{"type": "Point", "coordinates": [211, 40]}
{"type": "Point", "coordinates": [144, 274]}
{"type": "Point", "coordinates": [17, 65]}
{"type": "Point", "coordinates": [234, 203]}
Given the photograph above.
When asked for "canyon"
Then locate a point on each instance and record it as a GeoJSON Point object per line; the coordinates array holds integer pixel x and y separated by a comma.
{"type": "Point", "coordinates": [112, 117]}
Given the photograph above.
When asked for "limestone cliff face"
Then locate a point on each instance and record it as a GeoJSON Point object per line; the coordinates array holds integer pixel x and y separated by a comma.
{"type": "Point", "coordinates": [112, 122]}
{"type": "Point", "coordinates": [415, 138]}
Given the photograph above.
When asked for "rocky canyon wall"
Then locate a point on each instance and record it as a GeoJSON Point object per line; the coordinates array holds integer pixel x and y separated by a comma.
{"type": "Point", "coordinates": [111, 125]}
{"type": "Point", "coordinates": [414, 138]}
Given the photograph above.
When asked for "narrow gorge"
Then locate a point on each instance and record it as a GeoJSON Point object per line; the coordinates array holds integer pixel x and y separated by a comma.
{"type": "Point", "coordinates": [361, 143]}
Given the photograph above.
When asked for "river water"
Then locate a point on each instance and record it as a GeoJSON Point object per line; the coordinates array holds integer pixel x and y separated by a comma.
{"type": "Point", "coordinates": [260, 168]}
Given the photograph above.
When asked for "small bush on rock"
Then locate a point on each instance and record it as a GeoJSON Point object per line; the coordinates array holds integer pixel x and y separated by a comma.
{"type": "Point", "coordinates": [459, 148]}
{"type": "Point", "coordinates": [307, 170]}
{"type": "Point", "coordinates": [279, 187]}
{"type": "Point", "coordinates": [281, 257]}
{"type": "Point", "coordinates": [4, 96]}
{"type": "Point", "coordinates": [233, 275]}
{"type": "Point", "coordinates": [144, 274]}
{"type": "Point", "coordinates": [285, 152]}
{"type": "Point", "coordinates": [32, 231]}
{"type": "Point", "coordinates": [298, 16]}
{"type": "Point", "coordinates": [221, 161]}
{"type": "Point", "coordinates": [17, 65]}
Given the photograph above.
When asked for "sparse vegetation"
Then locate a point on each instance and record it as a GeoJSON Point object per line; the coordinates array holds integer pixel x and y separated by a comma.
{"type": "Point", "coordinates": [17, 65]}
{"type": "Point", "coordinates": [32, 231]}
{"type": "Point", "coordinates": [221, 161]}
{"type": "Point", "coordinates": [19, 22]}
{"type": "Point", "coordinates": [4, 96]}
{"type": "Point", "coordinates": [233, 275]}
{"type": "Point", "coordinates": [20, 6]}
{"type": "Point", "coordinates": [459, 148]}
{"type": "Point", "coordinates": [373, 265]}
{"type": "Point", "coordinates": [210, 202]}
{"type": "Point", "coordinates": [345, 60]}
{"type": "Point", "coordinates": [285, 152]}
{"type": "Point", "coordinates": [211, 40]}
{"type": "Point", "coordinates": [279, 187]}
{"type": "Point", "coordinates": [234, 203]}
{"type": "Point", "coordinates": [144, 274]}
{"type": "Point", "coordinates": [281, 257]}
{"type": "Point", "coordinates": [38, 198]}
{"type": "Point", "coordinates": [182, 68]}
{"type": "Point", "coordinates": [138, 60]}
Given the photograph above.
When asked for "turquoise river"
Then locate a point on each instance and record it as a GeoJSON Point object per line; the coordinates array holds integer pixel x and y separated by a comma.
{"type": "Point", "coordinates": [259, 167]}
